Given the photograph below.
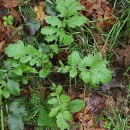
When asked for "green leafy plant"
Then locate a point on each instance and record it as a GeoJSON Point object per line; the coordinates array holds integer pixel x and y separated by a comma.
{"type": "Point", "coordinates": [22, 61]}
{"type": "Point", "coordinates": [27, 59]}
{"type": "Point", "coordinates": [50, 50]}
{"type": "Point", "coordinates": [8, 20]}
{"type": "Point", "coordinates": [8, 87]}
{"type": "Point", "coordinates": [91, 69]}
{"type": "Point", "coordinates": [107, 125]}
{"type": "Point", "coordinates": [17, 112]}
{"type": "Point", "coordinates": [45, 121]}
{"type": "Point", "coordinates": [38, 113]}
{"type": "Point", "coordinates": [63, 107]}
{"type": "Point", "coordinates": [68, 18]}
{"type": "Point", "coordinates": [4, 91]}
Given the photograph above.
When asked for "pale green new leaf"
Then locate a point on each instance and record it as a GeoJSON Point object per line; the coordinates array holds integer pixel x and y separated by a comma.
{"type": "Point", "coordinates": [67, 115]}
{"type": "Point", "coordinates": [76, 105]}
{"type": "Point", "coordinates": [50, 38]}
{"type": "Point", "coordinates": [54, 47]}
{"type": "Point", "coordinates": [44, 72]}
{"type": "Point", "coordinates": [73, 7]}
{"type": "Point", "coordinates": [65, 69]}
{"type": "Point", "coordinates": [83, 63]}
{"type": "Point", "coordinates": [16, 51]}
{"type": "Point", "coordinates": [98, 72]}
{"type": "Point", "coordinates": [48, 30]}
{"type": "Point", "coordinates": [68, 8]}
{"type": "Point", "coordinates": [74, 59]}
{"type": "Point", "coordinates": [68, 39]}
{"type": "Point", "coordinates": [60, 7]}
{"type": "Point", "coordinates": [92, 59]}
{"type": "Point", "coordinates": [85, 76]}
{"type": "Point", "coordinates": [54, 111]}
{"type": "Point", "coordinates": [61, 123]}
{"type": "Point", "coordinates": [61, 69]}
{"type": "Point", "coordinates": [61, 35]}
{"type": "Point", "coordinates": [18, 70]}
{"type": "Point", "coordinates": [73, 72]}
{"type": "Point", "coordinates": [76, 21]}
{"type": "Point", "coordinates": [5, 93]}
{"type": "Point", "coordinates": [31, 50]}
{"type": "Point", "coordinates": [64, 98]}
{"type": "Point", "coordinates": [100, 75]}
{"type": "Point", "coordinates": [64, 105]}
{"type": "Point", "coordinates": [34, 61]}
{"type": "Point", "coordinates": [58, 89]}
{"type": "Point", "coordinates": [25, 59]}
{"type": "Point", "coordinates": [29, 69]}
{"type": "Point", "coordinates": [53, 101]}
{"type": "Point", "coordinates": [53, 21]}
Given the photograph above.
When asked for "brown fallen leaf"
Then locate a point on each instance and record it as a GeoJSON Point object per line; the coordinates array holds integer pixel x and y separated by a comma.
{"type": "Point", "coordinates": [16, 34]}
{"type": "Point", "coordinates": [100, 10]}
{"type": "Point", "coordinates": [112, 84]}
{"type": "Point", "coordinates": [15, 15]}
{"type": "Point", "coordinates": [94, 106]}
{"type": "Point", "coordinates": [9, 3]}
{"type": "Point", "coordinates": [26, 92]}
{"type": "Point", "coordinates": [40, 13]}
{"type": "Point", "coordinates": [74, 93]}
{"type": "Point", "coordinates": [2, 46]}
{"type": "Point", "coordinates": [123, 56]}
{"type": "Point", "coordinates": [2, 29]}
{"type": "Point", "coordinates": [8, 30]}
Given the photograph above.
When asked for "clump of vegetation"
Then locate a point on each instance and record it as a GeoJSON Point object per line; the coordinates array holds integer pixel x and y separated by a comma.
{"type": "Point", "coordinates": [63, 107]}
{"type": "Point", "coordinates": [55, 55]}
{"type": "Point", "coordinates": [67, 18]}
{"type": "Point", "coordinates": [8, 20]}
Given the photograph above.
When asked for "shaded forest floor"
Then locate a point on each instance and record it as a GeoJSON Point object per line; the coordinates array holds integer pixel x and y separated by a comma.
{"type": "Point", "coordinates": [83, 47]}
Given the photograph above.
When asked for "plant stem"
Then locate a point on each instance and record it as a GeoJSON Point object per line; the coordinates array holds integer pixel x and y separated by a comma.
{"type": "Point", "coordinates": [2, 119]}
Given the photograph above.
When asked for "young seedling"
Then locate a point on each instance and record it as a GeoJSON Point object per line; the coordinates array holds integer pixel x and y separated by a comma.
{"type": "Point", "coordinates": [8, 20]}
{"type": "Point", "coordinates": [62, 107]}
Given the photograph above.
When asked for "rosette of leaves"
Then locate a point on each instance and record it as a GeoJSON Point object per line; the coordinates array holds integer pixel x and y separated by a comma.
{"type": "Point", "coordinates": [25, 60]}
{"type": "Point", "coordinates": [92, 69]}
{"type": "Point", "coordinates": [62, 107]}
{"type": "Point", "coordinates": [67, 18]}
